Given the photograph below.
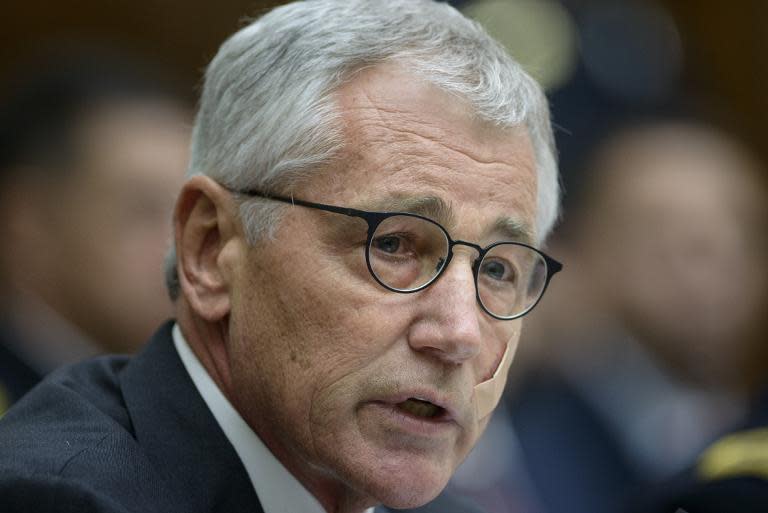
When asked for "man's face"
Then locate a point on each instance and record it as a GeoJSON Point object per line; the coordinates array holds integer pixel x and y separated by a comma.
{"type": "Point", "coordinates": [679, 254]}
{"type": "Point", "coordinates": [322, 356]}
{"type": "Point", "coordinates": [110, 226]}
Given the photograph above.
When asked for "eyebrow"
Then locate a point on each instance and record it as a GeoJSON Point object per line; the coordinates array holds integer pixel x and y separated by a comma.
{"type": "Point", "coordinates": [435, 208]}
{"type": "Point", "coordinates": [514, 230]}
{"type": "Point", "coordinates": [431, 207]}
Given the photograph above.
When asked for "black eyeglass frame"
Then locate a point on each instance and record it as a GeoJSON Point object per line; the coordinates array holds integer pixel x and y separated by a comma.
{"type": "Point", "coordinates": [374, 219]}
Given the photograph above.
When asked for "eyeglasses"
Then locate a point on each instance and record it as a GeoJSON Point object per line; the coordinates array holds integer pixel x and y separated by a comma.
{"type": "Point", "coordinates": [407, 253]}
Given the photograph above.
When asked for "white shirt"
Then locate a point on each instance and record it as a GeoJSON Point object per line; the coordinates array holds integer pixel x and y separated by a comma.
{"type": "Point", "coordinates": [277, 489]}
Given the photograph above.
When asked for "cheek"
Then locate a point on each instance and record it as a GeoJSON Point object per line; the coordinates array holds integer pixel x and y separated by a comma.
{"type": "Point", "coordinates": [497, 337]}
{"type": "Point", "coordinates": [309, 328]}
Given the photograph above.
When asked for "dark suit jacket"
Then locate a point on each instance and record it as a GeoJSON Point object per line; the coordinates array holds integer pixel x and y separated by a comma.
{"type": "Point", "coordinates": [122, 435]}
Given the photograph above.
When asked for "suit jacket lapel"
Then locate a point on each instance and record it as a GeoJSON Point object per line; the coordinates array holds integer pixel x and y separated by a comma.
{"type": "Point", "coordinates": [180, 435]}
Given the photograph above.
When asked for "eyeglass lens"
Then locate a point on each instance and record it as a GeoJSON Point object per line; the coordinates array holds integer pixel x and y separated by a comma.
{"type": "Point", "coordinates": [407, 252]}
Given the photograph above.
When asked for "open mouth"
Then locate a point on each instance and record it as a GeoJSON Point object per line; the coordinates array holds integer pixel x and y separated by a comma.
{"type": "Point", "coordinates": [421, 408]}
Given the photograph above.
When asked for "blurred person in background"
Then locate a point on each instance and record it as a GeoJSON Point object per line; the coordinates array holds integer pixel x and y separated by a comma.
{"type": "Point", "coordinates": [92, 151]}
{"type": "Point", "coordinates": [716, 252]}
{"type": "Point", "coordinates": [652, 344]}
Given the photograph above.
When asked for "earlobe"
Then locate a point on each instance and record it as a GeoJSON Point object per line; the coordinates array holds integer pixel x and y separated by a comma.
{"type": "Point", "coordinates": [205, 223]}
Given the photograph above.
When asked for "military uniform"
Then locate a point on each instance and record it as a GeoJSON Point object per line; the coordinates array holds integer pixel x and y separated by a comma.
{"type": "Point", "coordinates": [730, 476]}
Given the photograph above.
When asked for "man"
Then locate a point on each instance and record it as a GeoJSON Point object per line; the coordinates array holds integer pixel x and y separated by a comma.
{"type": "Point", "coordinates": [694, 197]}
{"type": "Point", "coordinates": [651, 350]}
{"type": "Point", "coordinates": [352, 258]}
{"type": "Point", "coordinates": [92, 152]}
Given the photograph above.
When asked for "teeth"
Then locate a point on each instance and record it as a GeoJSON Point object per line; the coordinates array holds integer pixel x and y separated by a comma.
{"type": "Point", "coordinates": [420, 408]}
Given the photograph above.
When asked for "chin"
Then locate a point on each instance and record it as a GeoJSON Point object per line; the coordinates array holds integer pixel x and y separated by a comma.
{"type": "Point", "coordinates": [406, 486]}
{"type": "Point", "coordinates": [408, 501]}
{"type": "Point", "coordinates": [408, 496]}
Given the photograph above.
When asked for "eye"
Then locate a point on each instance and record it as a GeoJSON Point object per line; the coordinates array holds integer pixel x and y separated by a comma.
{"type": "Point", "coordinates": [387, 243]}
{"type": "Point", "coordinates": [497, 270]}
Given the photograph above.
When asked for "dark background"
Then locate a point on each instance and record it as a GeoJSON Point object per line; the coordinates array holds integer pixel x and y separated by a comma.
{"type": "Point", "coordinates": [725, 68]}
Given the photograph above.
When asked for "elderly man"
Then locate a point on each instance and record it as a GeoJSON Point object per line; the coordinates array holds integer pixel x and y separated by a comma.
{"type": "Point", "coordinates": [353, 253]}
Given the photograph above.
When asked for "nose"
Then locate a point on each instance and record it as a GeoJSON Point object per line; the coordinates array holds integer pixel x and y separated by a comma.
{"type": "Point", "coordinates": [447, 325]}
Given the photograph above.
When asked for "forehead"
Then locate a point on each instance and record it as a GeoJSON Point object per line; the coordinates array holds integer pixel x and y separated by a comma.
{"type": "Point", "coordinates": [406, 138]}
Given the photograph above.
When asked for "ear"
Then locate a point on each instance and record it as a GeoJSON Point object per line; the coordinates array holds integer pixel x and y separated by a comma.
{"type": "Point", "coordinates": [205, 223]}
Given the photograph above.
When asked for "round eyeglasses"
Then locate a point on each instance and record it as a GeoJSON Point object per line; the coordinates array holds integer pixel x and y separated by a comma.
{"type": "Point", "coordinates": [408, 252]}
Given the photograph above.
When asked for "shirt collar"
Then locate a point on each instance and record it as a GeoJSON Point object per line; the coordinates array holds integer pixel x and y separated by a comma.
{"type": "Point", "coordinates": [278, 490]}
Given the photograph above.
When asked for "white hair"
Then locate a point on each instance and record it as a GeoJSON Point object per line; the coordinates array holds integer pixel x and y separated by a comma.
{"type": "Point", "coordinates": [268, 117]}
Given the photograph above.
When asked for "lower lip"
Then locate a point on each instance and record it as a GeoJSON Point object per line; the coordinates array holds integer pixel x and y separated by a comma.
{"type": "Point", "coordinates": [390, 414]}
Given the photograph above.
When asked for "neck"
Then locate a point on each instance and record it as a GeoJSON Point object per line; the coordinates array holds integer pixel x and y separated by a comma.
{"type": "Point", "coordinates": [334, 495]}
{"type": "Point", "coordinates": [209, 343]}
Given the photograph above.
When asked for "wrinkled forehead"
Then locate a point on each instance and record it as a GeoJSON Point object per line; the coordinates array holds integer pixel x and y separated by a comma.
{"type": "Point", "coordinates": [409, 146]}
{"type": "Point", "coordinates": [389, 103]}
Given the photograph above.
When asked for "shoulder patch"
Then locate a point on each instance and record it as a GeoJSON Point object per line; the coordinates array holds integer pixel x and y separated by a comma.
{"type": "Point", "coordinates": [741, 454]}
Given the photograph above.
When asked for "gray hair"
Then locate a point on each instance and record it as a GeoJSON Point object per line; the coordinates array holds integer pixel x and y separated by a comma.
{"type": "Point", "coordinates": [268, 117]}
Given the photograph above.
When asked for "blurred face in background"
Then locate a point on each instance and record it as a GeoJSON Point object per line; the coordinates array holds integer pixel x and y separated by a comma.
{"type": "Point", "coordinates": [679, 245]}
{"type": "Point", "coordinates": [95, 238]}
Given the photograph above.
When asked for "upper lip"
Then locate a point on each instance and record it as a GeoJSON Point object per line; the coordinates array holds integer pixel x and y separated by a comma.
{"type": "Point", "coordinates": [452, 411]}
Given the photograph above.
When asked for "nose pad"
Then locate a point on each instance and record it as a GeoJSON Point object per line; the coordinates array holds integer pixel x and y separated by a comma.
{"type": "Point", "coordinates": [474, 262]}
{"type": "Point", "coordinates": [452, 264]}
{"type": "Point", "coordinates": [444, 261]}
{"type": "Point", "coordinates": [476, 271]}
{"type": "Point", "coordinates": [440, 264]}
